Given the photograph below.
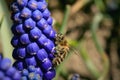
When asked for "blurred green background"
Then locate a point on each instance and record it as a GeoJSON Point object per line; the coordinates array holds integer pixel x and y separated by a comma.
{"type": "Point", "coordinates": [92, 28]}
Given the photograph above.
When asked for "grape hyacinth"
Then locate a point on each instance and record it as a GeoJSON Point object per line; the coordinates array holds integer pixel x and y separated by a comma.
{"type": "Point", "coordinates": [7, 72]}
{"type": "Point", "coordinates": [33, 36]}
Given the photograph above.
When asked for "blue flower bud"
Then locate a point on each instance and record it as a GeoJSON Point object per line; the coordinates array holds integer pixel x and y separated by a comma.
{"type": "Point", "coordinates": [24, 39]}
{"type": "Point", "coordinates": [49, 46]}
{"type": "Point", "coordinates": [35, 33]}
{"type": "Point", "coordinates": [32, 4]}
{"type": "Point", "coordinates": [46, 14]}
{"type": "Point", "coordinates": [32, 48]}
{"type": "Point", "coordinates": [29, 24]}
{"type": "Point", "coordinates": [33, 76]}
{"type": "Point", "coordinates": [13, 29]}
{"type": "Point", "coordinates": [17, 18]}
{"type": "Point", "coordinates": [24, 72]}
{"type": "Point", "coordinates": [11, 71]}
{"type": "Point", "coordinates": [17, 76]}
{"type": "Point", "coordinates": [5, 64]}
{"type": "Point", "coordinates": [52, 34]}
{"type": "Point", "coordinates": [6, 78]}
{"type": "Point", "coordinates": [51, 56]}
{"type": "Point", "coordinates": [37, 15]}
{"type": "Point", "coordinates": [15, 7]}
{"type": "Point", "coordinates": [24, 78]}
{"type": "Point", "coordinates": [46, 64]}
{"type": "Point", "coordinates": [42, 40]}
{"type": "Point", "coordinates": [15, 55]}
{"type": "Point", "coordinates": [37, 77]}
{"type": "Point", "coordinates": [30, 61]}
{"type": "Point", "coordinates": [39, 71]}
{"type": "Point", "coordinates": [19, 65]}
{"type": "Point", "coordinates": [42, 55]}
{"type": "Point", "coordinates": [42, 6]}
{"type": "Point", "coordinates": [21, 53]}
{"type": "Point", "coordinates": [22, 3]}
{"type": "Point", "coordinates": [49, 74]}
{"type": "Point", "coordinates": [1, 75]}
{"type": "Point", "coordinates": [19, 29]}
{"type": "Point", "coordinates": [50, 21]}
{"type": "Point", "coordinates": [31, 69]}
{"type": "Point", "coordinates": [15, 41]}
{"type": "Point", "coordinates": [47, 30]}
{"type": "Point", "coordinates": [42, 24]}
{"type": "Point", "coordinates": [26, 13]}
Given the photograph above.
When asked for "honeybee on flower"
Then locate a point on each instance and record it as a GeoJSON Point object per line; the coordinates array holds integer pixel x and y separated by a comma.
{"type": "Point", "coordinates": [61, 48]}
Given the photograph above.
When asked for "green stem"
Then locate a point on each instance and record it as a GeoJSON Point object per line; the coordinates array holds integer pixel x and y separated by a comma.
{"type": "Point", "coordinates": [100, 5]}
{"type": "Point", "coordinates": [93, 70]}
{"type": "Point", "coordinates": [65, 20]}
{"type": "Point", "coordinates": [1, 20]}
{"type": "Point", "coordinates": [95, 24]}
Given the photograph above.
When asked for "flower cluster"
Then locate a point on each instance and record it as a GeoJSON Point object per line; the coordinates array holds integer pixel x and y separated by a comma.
{"type": "Point", "coordinates": [33, 36]}
{"type": "Point", "coordinates": [31, 73]}
{"type": "Point", "coordinates": [7, 72]}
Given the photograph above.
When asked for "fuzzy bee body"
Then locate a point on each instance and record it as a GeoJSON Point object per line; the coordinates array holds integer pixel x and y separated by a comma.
{"type": "Point", "coordinates": [61, 49]}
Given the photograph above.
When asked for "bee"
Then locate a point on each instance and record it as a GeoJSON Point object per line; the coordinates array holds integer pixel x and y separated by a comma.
{"type": "Point", "coordinates": [61, 48]}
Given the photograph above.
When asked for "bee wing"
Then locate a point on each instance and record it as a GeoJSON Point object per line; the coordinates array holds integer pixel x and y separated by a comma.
{"type": "Point", "coordinates": [75, 51]}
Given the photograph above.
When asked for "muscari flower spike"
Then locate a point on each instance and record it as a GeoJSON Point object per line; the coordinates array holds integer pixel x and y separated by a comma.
{"type": "Point", "coordinates": [34, 37]}
{"type": "Point", "coordinates": [7, 72]}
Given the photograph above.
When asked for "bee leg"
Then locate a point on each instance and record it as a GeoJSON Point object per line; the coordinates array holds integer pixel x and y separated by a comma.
{"type": "Point", "coordinates": [55, 55]}
{"type": "Point", "coordinates": [54, 62]}
{"type": "Point", "coordinates": [58, 49]}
